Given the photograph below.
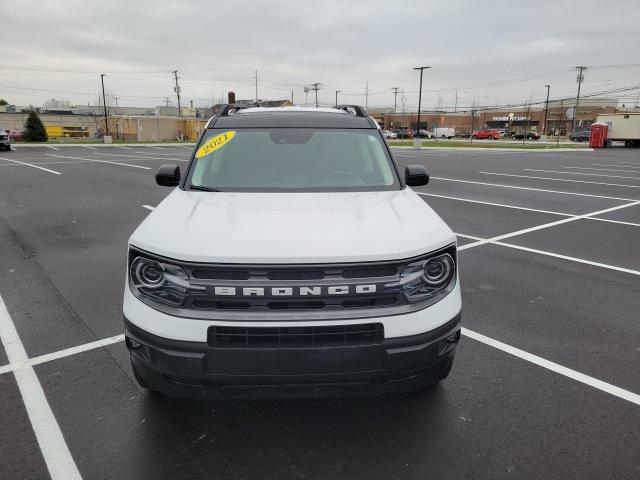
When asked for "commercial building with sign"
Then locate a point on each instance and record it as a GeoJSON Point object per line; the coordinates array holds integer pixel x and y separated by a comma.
{"type": "Point", "coordinates": [559, 117]}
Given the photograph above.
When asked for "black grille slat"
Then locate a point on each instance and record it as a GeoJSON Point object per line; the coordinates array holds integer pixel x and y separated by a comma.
{"type": "Point", "coordinates": [296, 337]}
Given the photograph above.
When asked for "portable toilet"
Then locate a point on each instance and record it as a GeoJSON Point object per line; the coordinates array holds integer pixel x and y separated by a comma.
{"type": "Point", "coordinates": [598, 136]}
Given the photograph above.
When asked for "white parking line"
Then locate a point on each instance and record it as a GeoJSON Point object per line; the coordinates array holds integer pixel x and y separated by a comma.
{"type": "Point", "coordinates": [605, 169]}
{"type": "Point", "coordinates": [581, 173]}
{"type": "Point", "coordinates": [560, 179]}
{"type": "Point", "coordinates": [99, 161]}
{"type": "Point", "coordinates": [527, 209]}
{"type": "Point", "coordinates": [52, 444]}
{"type": "Point", "coordinates": [518, 187]}
{"type": "Point", "coordinates": [120, 146]}
{"type": "Point", "coordinates": [565, 257]}
{"type": "Point", "coordinates": [31, 165]}
{"type": "Point", "coordinates": [62, 353]}
{"type": "Point", "coordinates": [547, 225]}
{"type": "Point", "coordinates": [554, 367]}
{"type": "Point", "coordinates": [496, 204]}
{"type": "Point", "coordinates": [148, 207]}
{"type": "Point", "coordinates": [52, 148]}
{"type": "Point", "coordinates": [87, 146]}
{"type": "Point", "coordinates": [146, 157]}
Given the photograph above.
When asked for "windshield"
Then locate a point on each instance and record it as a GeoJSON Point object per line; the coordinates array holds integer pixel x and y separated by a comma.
{"type": "Point", "coordinates": [292, 159]}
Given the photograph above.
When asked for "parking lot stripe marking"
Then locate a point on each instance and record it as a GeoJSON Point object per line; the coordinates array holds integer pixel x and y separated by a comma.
{"type": "Point", "coordinates": [614, 221]}
{"type": "Point", "coordinates": [87, 146]}
{"type": "Point", "coordinates": [146, 157]}
{"type": "Point", "coordinates": [31, 165]}
{"type": "Point", "coordinates": [560, 179]}
{"type": "Point", "coordinates": [554, 367]}
{"type": "Point", "coordinates": [52, 148]}
{"type": "Point", "coordinates": [48, 357]}
{"type": "Point", "coordinates": [151, 146]}
{"type": "Point", "coordinates": [52, 444]}
{"type": "Point", "coordinates": [566, 257]}
{"type": "Point", "coordinates": [547, 225]}
{"type": "Point", "coordinates": [527, 209]}
{"type": "Point", "coordinates": [99, 161]}
{"type": "Point", "coordinates": [120, 146]}
{"type": "Point", "coordinates": [581, 173]}
{"type": "Point", "coordinates": [148, 207]}
{"type": "Point", "coordinates": [496, 204]}
{"type": "Point", "coordinates": [603, 169]}
{"type": "Point", "coordinates": [518, 187]}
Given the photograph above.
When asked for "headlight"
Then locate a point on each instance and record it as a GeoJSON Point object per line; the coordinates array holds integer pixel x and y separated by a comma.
{"type": "Point", "coordinates": [160, 281]}
{"type": "Point", "coordinates": [429, 278]}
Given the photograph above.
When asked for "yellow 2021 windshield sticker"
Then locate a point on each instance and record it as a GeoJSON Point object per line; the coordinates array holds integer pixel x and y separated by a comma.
{"type": "Point", "coordinates": [215, 143]}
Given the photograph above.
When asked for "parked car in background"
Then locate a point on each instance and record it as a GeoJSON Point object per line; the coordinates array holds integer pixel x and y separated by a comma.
{"type": "Point", "coordinates": [5, 141]}
{"type": "Point", "coordinates": [580, 135]}
{"type": "Point", "coordinates": [527, 135]}
{"type": "Point", "coordinates": [389, 134]}
{"type": "Point", "coordinates": [488, 134]}
{"type": "Point", "coordinates": [444, 132]}
{"type": "Point", "coordinates": [404, 133]}
{"type": "Point", "coordinates": [422, 133]}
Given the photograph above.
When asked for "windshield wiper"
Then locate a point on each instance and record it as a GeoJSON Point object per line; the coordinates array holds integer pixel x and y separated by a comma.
{"type": "Point", "coordinates": [204, 189]}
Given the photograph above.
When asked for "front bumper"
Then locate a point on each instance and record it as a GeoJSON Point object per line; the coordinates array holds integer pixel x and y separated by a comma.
{"type": "Point", "coordinates": [200, 370]}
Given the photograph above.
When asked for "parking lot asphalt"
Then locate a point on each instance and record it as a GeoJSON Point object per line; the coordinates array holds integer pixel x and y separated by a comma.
{"type": "Point", "coordinates": [545, 383]}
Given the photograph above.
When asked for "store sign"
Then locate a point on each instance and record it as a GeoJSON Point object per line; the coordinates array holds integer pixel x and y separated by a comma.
{"type": "Point", "coordinates": [511, 118]}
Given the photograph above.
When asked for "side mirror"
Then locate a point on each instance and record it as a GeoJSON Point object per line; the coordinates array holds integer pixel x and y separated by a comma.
{"type": "Point", "coordinates": [416, 175]}
{"type": "Point", "coordinates": [168, 175]}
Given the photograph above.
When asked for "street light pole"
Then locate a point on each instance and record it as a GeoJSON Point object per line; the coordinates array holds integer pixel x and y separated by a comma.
{"type": "Point", "coordinates": [420, 94]}
{"type": "Point", "coordinates": [546, 111]}
{"type": "Point", "coordinates": [337, 92]}
{"type": "Point", "coordinates": [104, 103]}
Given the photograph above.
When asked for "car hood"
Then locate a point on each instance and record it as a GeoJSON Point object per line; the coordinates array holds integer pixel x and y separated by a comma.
{"type": "Point", "coordinates": [234, 227]}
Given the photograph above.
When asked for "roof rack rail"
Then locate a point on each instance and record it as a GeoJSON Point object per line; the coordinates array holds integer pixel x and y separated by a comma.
{"type": "Point", "coordinates": [229, 109]}
{"type": "Point", "coordinates": [357, 109]}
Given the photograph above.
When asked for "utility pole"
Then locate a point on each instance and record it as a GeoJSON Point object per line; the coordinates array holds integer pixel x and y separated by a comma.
{"type": "Point", "coordinates": [177, 90]}
{"type": "Point", "coordinates": [167, 102]}
{"type": "Point", "coordinates": [580, 78]}
{"type": "Point", "coordinates": [420, 94]}
{"type": "Point", "coordinates": [337, 92]}
{"type": "Point", "coordinates": [116, 109]}
{"type": "Point", "coordinates": [315, 87]}
{"type": "Point", "coordinates": [256, 77]}
{"type": "Point", "coordinates": [559, 124]}
{"type": "Point", "coordinates": [104, 103]}
{"type": "Point", "coordinates": [455, 107]}
{"type": "Point", "coordinates": [546, 111]}
{"type": "Point", "coordinates": [366, 96]}
{"type": "Point", "coordinates": [291, 97]}
{"type": "Point", "coordinates": [306, 95]}
{"type": "Point", "coordinates": [395, 99]}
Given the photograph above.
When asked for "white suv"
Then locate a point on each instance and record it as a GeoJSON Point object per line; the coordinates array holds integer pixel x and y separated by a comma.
{"type": "Point", "coordinates": [291, 259]}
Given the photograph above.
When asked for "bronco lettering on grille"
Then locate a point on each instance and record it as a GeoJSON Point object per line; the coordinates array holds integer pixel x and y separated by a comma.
{"type": "Point", "coordinates": [295, 291]}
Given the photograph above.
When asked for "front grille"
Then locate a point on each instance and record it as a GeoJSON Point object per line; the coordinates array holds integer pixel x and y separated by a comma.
{"type": "Point", "coordinates": [296, 337]}
{"type": "Point", "coordinates": [293, 277]}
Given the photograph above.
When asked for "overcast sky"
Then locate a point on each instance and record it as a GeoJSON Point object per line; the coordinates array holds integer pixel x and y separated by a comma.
{"type": "Point", "coordinates": [492, 52]}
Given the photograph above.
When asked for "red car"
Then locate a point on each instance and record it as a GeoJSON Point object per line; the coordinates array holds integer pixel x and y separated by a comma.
{"type": "Point", "coordinates": [489, 134]}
